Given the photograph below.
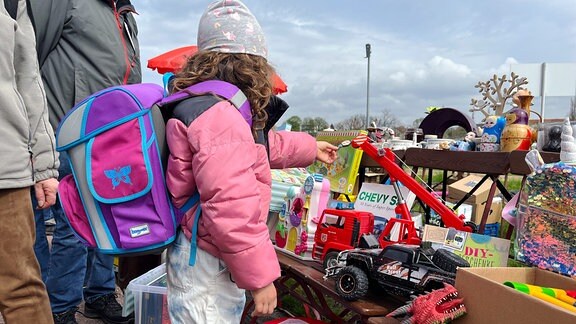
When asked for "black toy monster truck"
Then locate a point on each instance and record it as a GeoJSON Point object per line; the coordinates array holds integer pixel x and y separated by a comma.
{"type": "Point", "coordinates": [399, 269]}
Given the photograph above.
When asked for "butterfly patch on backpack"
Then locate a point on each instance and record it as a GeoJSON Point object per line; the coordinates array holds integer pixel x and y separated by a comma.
{"type": "Point", "coordinates": [119, 175]}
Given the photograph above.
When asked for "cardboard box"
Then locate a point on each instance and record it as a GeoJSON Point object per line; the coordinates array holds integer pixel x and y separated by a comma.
{"type": "Point", "coordinates": [487, 300]}
{"type": "Point", "coordinates": [495, 214]}
{"type": "Point", "coordinates": [473, 211]}
{"type": "Point", "coordinates": [460, 188]}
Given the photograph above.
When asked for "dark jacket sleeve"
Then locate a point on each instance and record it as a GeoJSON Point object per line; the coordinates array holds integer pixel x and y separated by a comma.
{"type": "Point", "coordinates": [49, 17]}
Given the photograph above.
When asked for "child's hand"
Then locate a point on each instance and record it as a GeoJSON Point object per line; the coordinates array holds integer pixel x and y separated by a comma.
{"type": "Point", "coordinates": [327, 152]}
{"type": "Point", "coordinates": [264, 300]}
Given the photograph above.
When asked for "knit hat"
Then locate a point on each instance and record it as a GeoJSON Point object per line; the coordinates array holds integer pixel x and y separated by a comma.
{"type": "Point", "coordinates": [228, 26]}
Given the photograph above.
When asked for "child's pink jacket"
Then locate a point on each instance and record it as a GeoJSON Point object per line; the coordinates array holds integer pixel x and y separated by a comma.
{"type": "Point", "coordinates": [217, 154]}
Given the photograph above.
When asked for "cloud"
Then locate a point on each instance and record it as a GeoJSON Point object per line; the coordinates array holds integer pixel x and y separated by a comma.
{"type": "Point", "coordinates": [423, 53]}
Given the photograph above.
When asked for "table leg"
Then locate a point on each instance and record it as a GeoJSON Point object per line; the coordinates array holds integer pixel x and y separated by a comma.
{"type": "Point", "coordinates": [487, 207]}
{"type": "Point", "coordinates": [510, 226]}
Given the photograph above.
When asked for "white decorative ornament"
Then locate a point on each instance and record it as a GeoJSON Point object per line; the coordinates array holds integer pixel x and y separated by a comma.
{"type": "Point", "coordinates": [568, 144]}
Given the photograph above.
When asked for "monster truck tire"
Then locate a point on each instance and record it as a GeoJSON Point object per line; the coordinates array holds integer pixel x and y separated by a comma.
{"type": "Point", "coordinates": [351, 283]}
{"type": "Point", "coordinates": [448, 261]}
{"type": "Point", "coordinates": [330, 259]}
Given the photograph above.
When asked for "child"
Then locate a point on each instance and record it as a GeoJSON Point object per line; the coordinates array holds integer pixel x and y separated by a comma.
{"type": "Point", "coordinates": [215, 151]}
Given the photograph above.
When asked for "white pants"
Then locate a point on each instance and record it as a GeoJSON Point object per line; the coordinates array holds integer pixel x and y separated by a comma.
{"type": "Point", "coordinates": [203, 293]}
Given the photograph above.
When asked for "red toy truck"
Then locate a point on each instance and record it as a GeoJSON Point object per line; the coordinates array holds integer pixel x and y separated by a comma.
{"type": "Point", "coordinates": [339, 230]}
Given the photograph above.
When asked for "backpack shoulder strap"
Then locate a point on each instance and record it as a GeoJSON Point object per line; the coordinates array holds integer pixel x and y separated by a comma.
{"type": "Point", "coordinates": [222, 89]}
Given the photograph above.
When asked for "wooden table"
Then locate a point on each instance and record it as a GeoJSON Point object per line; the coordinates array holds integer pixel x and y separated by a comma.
{"type": "Point", "coordinates": [304, 281]}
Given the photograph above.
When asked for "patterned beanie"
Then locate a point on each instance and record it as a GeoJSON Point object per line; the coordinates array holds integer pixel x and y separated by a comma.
{"type": "Point", "coordinates": [228, 26]}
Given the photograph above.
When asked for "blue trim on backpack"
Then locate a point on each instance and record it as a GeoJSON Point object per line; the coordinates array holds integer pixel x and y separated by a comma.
{"type": "Point", "coordinates": [85, 118]}
{"type": "Point", "coordinates": [190, 203]}
{"type": "Point", "coordinates": [97, 131]}
{"type": "Point", "coordinates": [172, 211]}
{"type": "Point", "coordinates": [101, 215]}
{"type": "Point", "coordinates": [194, 230]}
{"type": "Point", "coordinates": [105, 226]}
{"type": "Point", "coordinates": [83, 204]}
{"type": "Point", "coordinates": [80, 238]}
{"type": "Point", "coordinates": [194, 238]}
{"type": "Point", "coordinates": [91, 98]}
{"type": "Point", "coordinates": [146, 163]}
{"type": "Point", "coordinates": [130, 251]}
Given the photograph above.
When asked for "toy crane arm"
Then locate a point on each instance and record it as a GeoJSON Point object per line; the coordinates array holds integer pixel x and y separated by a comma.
{"type": "Point", "coordinates": [386, 159]}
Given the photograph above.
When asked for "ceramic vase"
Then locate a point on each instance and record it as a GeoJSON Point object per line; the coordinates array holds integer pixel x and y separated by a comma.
{"type": "Point", "coordinates": [517, 135]}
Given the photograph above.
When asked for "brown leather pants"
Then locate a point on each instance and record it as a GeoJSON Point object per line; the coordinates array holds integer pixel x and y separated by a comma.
{"type": "Point", "coordinates": [23, 297]}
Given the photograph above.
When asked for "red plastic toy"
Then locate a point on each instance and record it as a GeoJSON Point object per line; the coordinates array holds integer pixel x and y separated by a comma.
{"type": "Point", "coordinates": [386, 158]}
{"type": "Point", "coordinates": [339, 230]}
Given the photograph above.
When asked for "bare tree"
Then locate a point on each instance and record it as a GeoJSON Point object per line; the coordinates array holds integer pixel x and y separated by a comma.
{"type": "Point", "coordinates": [495, 92]}
{"type": "Point", "coordinates": [417, 122]}
{"type": "Point", "coordinates": [352, 123]}
{"type": "Point", "coordinates": [386, 119]}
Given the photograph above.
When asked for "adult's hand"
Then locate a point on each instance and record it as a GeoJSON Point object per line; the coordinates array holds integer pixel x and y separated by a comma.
{"type": "Point", "coordinates": [327, 152]}
{"type": "Point", "coordinates": [45, 191]}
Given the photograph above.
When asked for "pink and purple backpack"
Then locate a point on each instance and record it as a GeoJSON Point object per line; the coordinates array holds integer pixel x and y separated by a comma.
{"type": "Point", "coordinates": [116, 199]}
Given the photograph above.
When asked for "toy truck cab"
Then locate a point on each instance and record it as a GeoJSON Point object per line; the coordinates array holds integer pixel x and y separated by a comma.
{"type": "Point", "coordinates": [339, 230]}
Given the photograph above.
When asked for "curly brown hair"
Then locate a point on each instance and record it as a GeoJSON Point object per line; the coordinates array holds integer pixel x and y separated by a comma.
{"type": "Point", "coordinates": [251, 73]}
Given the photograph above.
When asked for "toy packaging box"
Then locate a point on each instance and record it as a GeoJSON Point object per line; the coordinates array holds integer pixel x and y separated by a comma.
{"type": "Point", "coordinates": [293, 230]}
{"type": "Point", "coordinates": [479, 250]}
{"type": "Point", "coordinates": [546, 219]}
{"type": "Point", "coordinates": [381, 201]}
{"type": "Point", "coordinates": [343, 172]}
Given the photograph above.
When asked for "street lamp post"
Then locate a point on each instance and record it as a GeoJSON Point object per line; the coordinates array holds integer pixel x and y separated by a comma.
{"type": "Point", "coordinates": [368, 52]}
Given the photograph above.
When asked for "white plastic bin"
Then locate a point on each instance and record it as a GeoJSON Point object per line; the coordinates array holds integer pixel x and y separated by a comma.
{"type": "Point", "coordinates": [147, 296]}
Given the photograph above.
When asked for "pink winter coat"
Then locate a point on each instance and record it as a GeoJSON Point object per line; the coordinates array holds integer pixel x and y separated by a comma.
{"type": "Point", "coordinates": [217, 154]}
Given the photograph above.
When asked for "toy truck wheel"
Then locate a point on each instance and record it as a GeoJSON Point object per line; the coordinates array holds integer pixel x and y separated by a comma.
{"type": "Point", "coordinates": [351, 283]}
{"type": "Point", "coordinates": [448, 261]}
{"type": "Point", "coordinates": [472, 226]}
{"type": "Point", "coordinates": [331, 259]}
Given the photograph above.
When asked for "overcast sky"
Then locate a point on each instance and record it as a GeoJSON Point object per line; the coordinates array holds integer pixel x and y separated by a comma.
{"type": "Point", "coordinates": [424, 52]}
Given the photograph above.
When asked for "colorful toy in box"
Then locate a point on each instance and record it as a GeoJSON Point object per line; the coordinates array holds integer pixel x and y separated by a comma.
{"type": "Point", "coordinates": [546, 216]}
{"type": "Point", "coordinates": [282, 181]}
{"type": "Point", "coordinates": [558, 297]}
{"type": "Point", "coordinates": [299, 217]}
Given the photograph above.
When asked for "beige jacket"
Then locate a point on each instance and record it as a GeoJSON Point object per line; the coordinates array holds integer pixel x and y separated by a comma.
{"type": "Point", "coordinates": [27, 150]}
